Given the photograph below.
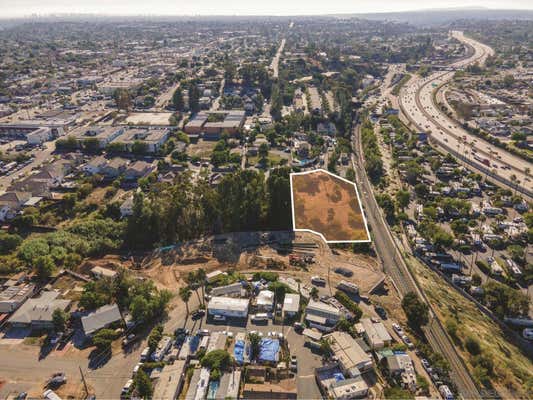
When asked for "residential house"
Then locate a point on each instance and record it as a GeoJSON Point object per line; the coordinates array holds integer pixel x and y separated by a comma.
{"type": "Point", "coordinates": [36, 313]}
{"type": "Point", "coordinates": [139, 169]}
{"type": "Point", "coordinates": [102, 317]}
{"type": "Point", "coordinates": [12, 202]}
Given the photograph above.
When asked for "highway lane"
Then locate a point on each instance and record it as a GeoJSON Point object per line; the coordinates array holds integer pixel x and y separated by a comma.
{"type": "Point", "coordinates": [417, 103]}
{"type": "Point", "coordinates": [395, 267]}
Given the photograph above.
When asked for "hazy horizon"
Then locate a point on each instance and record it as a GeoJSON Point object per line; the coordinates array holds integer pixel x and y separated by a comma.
{"type": "Point", "coordinates": [25, 8]}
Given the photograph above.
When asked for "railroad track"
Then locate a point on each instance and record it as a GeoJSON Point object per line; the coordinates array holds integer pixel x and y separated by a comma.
{"type": "Point", "coordinates": [395, 267]}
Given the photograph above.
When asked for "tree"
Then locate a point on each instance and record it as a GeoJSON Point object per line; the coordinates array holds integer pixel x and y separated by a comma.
{"type": "Point", "coordinates": [421, 190]}
{"type": "Point", "coordinates": [59, 320]}
{"type": "Point", "coordinates": [255, 343]}
{"type": "Point", "coordinates": [185, 294]}
{"type": "Point", "coordinates": [122, 99]}
{"type": "Point", "coordinates": [155, 337]}
{"type": "Point", "coordinates": [314, 293]}
{"type": "Point", "coordinates": [44, 266]}
{"type": "Point", "coordinates": [103, 339]}
{"type": "Point", "coordinates": [194, 98]}
{"type": "Point", "coordinates": [472, 345]}
{"type": "Point", "coordinates": [143, 384]}
{"type": "Point", "coordinates": [139, 148]}
{"type": "Point", "coordinates": [417, 312]}
{"type": "Point", "coordinates": [508, 80]}
{"type": "Point", "coordinates": [402, 198]}
{"type": "Point", "coordinates": [9, 242]}
{"type": "Point", "coordinates": [201, 278]}
{"type": "Point", "coordinates": [177, 100]}
{"type": "Point", "coordinates": [276, 102]}
{"type": "Point", "coordinates": [263, 150]}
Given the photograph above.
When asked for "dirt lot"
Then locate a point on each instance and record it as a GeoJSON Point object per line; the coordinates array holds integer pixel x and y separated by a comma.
{"type": "Point", "coordinates": [202, 149]}
{"type": "Point", "coordinates": [247, 252]}
{"type": "Point", "coordinates": [328, 205]}
{"type": "Point", "coordinates": [149, 118]}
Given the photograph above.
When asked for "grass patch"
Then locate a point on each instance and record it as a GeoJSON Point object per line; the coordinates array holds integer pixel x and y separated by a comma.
{"type": "Point", "coordinates": [513, 371]}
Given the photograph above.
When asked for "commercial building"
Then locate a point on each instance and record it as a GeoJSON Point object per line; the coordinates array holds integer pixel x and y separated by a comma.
{"type": "Point", "coordinates": [153, 139]}
{"type": "Point", "coordinates": [37, 313]}
{"type": "Point", "coordinates": [351, 357]}
{"type": "Point", "coordinates": [213, 123]}
{"type": "Point", "coordinates": [291, 305]}
{"type": "Point", "coordinates": [103, 135]}
{"type": "Point", "coordinates": [110, 87]}
{"type": "Point", "coordinates": [101, 318]}
{"type": "Point", "coordinates": [170, 381]}
{"type": "Point", "coordinates": [228, 307]}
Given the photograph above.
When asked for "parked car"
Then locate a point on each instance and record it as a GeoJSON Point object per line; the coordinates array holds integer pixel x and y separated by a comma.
{"type": "Point", "coordinates": [380, 311]}
{"type": "Point", "coordinates": [129, 339]}
{"type": "Point", "coordinates": [294, 364]}
{"type": "Point", "coordinates": [124, 394]}
{"type": "Point", "coordinates": [398, 329]}
{"type": "Point", "coordinates": [197, 314]}
{"type": "Point", "coordinates": [56, 380]}
{"type": "Point", "coordinates": [298, 327]}
{"type": "Point", "coordinates": [203, 332]}
{"type": "Point", "coordinates": [343, 271]}
{"type": "Point", "coordinates": [145, 355]}
{"type": "Point", "coordinates": [317, 280]}
{"type": "Point", "coordinates": [219, 318]}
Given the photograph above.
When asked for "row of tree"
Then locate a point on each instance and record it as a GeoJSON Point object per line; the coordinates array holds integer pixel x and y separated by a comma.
{"type": "Point", "coordinates": [187, 209]}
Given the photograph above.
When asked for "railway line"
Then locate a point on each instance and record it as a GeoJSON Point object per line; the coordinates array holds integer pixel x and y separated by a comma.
{"type": "Point", "coordinates": [396, 268]}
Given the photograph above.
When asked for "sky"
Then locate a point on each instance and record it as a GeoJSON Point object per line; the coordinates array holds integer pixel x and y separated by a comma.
{"type": "Point", "coordinates": [19, 8]}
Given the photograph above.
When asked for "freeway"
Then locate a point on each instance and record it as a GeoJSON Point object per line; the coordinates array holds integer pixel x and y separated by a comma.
{"type": "Point", "coordinates": [395, 267]}
{"type": "Point", "coordinates": [418, 104]}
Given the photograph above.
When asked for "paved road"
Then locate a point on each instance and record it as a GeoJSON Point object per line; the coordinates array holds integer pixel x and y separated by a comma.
{"type": "Point", "coordinates": [274, 66]}
{"type": "Point", "coordinates": [395, 267]}
{"type": "Point", "coordinates": [417, 103]}
{"type": "Point", "coordinates": [24, 369]}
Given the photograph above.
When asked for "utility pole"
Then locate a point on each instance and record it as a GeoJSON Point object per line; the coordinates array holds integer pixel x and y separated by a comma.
{"type": "Point", "coordinates": [84, 383]}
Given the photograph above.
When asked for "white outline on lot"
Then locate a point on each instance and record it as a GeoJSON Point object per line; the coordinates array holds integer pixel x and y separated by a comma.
{"type": "Point", "coordinates": [318, 233]}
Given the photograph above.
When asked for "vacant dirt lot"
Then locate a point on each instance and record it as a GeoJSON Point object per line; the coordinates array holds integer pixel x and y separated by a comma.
{"type": "Point", "coordinates": [328, 205]}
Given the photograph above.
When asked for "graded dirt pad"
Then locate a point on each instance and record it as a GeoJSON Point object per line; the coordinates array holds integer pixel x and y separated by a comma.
{"type": "Point", "coordinates": [328, 205]}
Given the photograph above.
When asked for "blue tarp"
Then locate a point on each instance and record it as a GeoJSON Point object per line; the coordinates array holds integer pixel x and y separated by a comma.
{"type": "Point", "coordinates": [338, 376]}
{"type": "Point", "coordinates": [238, 352]}
{"type": "Point", "coordinates": [212, 391]}
{"type": "Point", "coordinates": [194, 343]}
{"type": "Point", "coordinates": [269, 350]}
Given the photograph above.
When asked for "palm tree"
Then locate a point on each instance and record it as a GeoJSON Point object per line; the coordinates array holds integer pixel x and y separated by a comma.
{"type": "Point", "coordinates": [192, 280]}
{"type": "Point", "coordinates": [185, 294]}
{"type": "Point", "coordinates": [201, 277]}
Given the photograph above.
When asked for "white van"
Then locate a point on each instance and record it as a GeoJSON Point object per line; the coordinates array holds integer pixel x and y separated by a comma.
{"type": "Point", "coordinates": [260, 317]}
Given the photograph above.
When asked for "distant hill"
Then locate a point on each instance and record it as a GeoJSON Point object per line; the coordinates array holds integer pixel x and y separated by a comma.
{"type": "Point", "coordinates": [442, 16]}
